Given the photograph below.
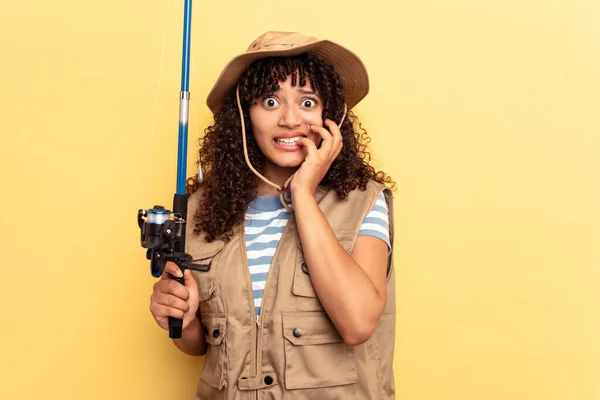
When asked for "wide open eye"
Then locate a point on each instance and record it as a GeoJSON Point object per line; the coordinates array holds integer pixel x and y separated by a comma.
{"type": "Point", "coordinates": [270, 102]}
{"type": "Point", "coordinates": [309, 103]}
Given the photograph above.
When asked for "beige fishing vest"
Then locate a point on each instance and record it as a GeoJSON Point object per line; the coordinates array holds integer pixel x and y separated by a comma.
{"type": "Point", "coordinates": [293, 351]}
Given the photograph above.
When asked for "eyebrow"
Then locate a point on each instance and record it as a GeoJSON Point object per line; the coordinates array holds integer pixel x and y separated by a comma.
{"type": "Point", "coordinates": [306, 92]}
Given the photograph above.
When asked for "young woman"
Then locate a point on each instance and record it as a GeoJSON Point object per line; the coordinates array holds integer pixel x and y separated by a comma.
{"type": "Point", "coordinates": [297, 227]}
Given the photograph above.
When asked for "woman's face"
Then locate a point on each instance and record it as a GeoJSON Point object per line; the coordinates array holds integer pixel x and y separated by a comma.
{"type": "Point", "coordinates": [280, 119]}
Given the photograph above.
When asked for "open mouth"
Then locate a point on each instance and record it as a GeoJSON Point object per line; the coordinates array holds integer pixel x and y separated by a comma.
{"type": "Point", "coordinates": [290, 142]}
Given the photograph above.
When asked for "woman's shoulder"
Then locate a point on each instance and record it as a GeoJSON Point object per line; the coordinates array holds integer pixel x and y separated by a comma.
{"type": "Point", "coordinates": [357, 200]}
{"type": "Point", "coordinates": [194, 198]}
{"type": "Point", "coordinates": [372, 190]}
{"type": "Point", "coordinates": [375, 186]}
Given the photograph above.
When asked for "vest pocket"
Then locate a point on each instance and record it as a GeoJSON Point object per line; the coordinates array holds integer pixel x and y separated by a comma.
{"type": "Point", "coordinates": [302, 285]}
{"type": "Point", "coordinates": [315, 354]}
{"type": "Point", "coordinates": [204, 253]}
{"type": "Point", "coordinates": [214, 326]}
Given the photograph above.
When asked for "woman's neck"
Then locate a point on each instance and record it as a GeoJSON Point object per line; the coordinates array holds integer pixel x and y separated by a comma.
{"type": "Point", "coordinates": [276, 174]}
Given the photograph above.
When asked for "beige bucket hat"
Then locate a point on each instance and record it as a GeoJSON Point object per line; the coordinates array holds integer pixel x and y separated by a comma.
{"type": "Point", "coordinates": [349, 67]}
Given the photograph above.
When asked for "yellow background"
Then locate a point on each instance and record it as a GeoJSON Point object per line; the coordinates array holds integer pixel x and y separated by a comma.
{"type": "Point", "coordinates": [485, 113]}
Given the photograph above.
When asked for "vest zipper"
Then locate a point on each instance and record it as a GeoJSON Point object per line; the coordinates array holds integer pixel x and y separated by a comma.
{"type": "Point", "coordinates": [246, 272]}
{"type": "Point", "coordinates": [258, 317]}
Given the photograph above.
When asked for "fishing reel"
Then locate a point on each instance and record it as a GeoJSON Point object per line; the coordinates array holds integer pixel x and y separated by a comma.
{"type": "Point", "coordinates": [161, 234]}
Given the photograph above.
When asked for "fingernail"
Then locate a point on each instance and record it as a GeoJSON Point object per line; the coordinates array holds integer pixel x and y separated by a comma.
{"type": "Point", "coordinates": [179, 273]}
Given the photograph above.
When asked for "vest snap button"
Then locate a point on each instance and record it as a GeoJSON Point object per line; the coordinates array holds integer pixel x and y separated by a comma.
{"type": "Point", "coordinates": [216, 333]}
{"type": "Point", "coordinates": [297, 332]}
{"type": "Point", "coordinates": [268, 380]}
{"type": "Point", "coordinates": [304, 268]}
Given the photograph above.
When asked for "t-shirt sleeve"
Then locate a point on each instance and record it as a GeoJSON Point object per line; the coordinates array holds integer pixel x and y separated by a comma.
{"type": "Point", "coordinates": [376, 223]}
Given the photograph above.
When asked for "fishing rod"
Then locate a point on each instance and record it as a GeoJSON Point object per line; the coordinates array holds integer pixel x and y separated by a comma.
{"type": "Point", "coordinates": [163, 231]}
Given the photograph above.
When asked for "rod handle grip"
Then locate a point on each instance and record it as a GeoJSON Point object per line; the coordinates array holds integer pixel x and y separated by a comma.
{"type": "Point", "coordinates": [176, 324]}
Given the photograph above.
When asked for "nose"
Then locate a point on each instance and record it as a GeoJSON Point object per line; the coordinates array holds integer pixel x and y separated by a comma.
{"type": "Point", "coordinates": [290, 117]}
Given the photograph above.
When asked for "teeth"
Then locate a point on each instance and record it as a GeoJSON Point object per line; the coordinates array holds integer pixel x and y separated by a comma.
{"type": "Point", "coordinates": [288, 142]}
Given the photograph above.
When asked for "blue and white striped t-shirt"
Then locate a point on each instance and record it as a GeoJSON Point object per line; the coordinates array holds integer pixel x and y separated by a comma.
{"type": "Point", "coordinates": [265, 221]}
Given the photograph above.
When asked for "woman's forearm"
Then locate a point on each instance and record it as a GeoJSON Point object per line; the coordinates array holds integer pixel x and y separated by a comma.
{"type": "Point", "coordinates": [192, 339]}
{"type": "Point", "coordinates": [345, 290]}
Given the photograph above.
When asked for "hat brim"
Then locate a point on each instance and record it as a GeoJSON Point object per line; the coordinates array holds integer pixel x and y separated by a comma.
{"type": "Point", "coordinates": [348, 65]}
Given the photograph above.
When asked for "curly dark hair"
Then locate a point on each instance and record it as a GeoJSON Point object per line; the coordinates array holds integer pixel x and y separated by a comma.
{"type": "Point", "coordinates": [229, 185]}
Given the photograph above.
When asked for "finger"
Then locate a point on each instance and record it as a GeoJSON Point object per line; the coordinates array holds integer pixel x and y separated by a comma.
{"type": "Point", "coordinates": [337, 137]}
{"type": "Point", "coordinates": [190, 283]}
{"type": "Point", "coordinates": [325, 135]}
{"type": "Point", "coordinates": [310, 147]}
{"type": "Point", "coordinates": [170, 300]}
{"type": "Point", "coordinates": [159, 310]}
{"type": "Point", "coordinates": [170, 286]}
{"type": "Point", "coordinates": [335, 133]}
{"type": "Point", "coordinates": [171, 269]}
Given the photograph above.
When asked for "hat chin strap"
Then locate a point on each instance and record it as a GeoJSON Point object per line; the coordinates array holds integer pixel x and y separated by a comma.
{"type": "Point", "coordinates": [284, 192]}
